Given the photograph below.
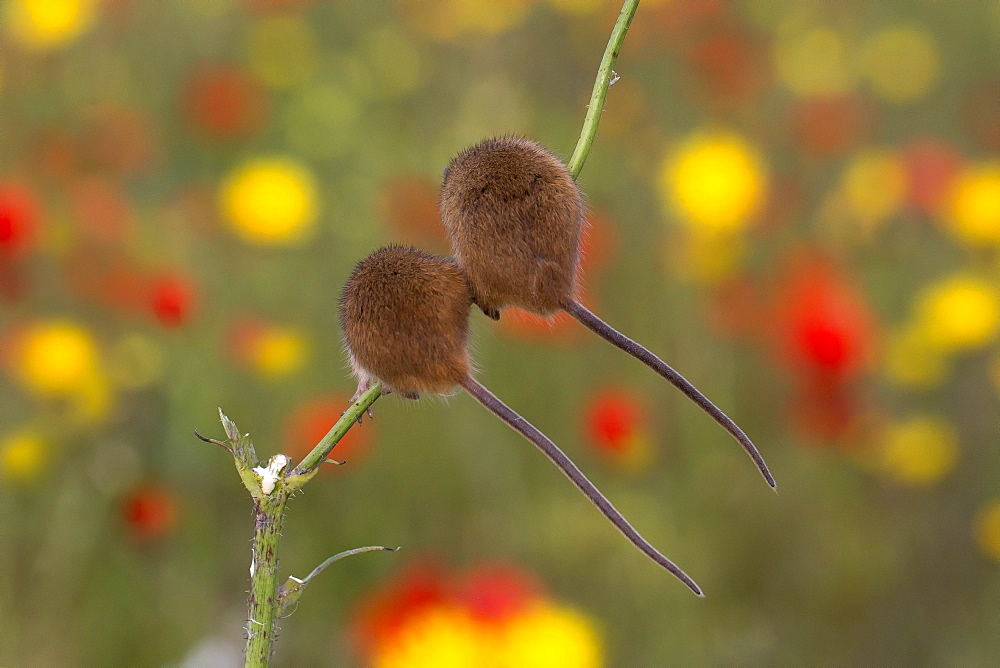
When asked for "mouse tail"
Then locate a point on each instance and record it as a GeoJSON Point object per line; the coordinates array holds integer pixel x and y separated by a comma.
{"type": "Point", "coordinates": [566, 465]}
{"type": "Point", "coordinates": [619, 340]}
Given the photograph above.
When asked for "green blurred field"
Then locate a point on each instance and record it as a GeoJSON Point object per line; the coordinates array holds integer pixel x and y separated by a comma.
{"type": "Point", "coordinates": [797, 204]}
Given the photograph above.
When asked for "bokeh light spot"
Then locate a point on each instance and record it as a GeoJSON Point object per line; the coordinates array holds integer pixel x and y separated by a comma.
{"type": "Point", "coordinates": [270, 201]}
{"type": "Point", "coordinates": [874, 186]}
{"type": "Point", "coordinates": [47, 24]}
{"type": "Point", "coordinates": [22, 456]}
{"type": "Point", "coordinates": [279, 352]}
{"type": "Point", "coordinates": [440, 636]}
{"type": "Point", "coordinates": [283, 51]}
{"type": "Point", "coordinates": [912, 360]}
{"type": "Point", "coordinates": [901, 63]}
{"type": "Point", "coordinates": [714, 179]}
{"type": "Point", "coordinates": [320, 120]}
{"type": "Point", "coordinates": [549, 635]}
{"type": "Point", "coordinates": [960, 312]}
{"type": "Point", "coordinates": [919, 451]}
{"type": "Point", "coordinates": [136, 361]}
{"type": "Point", "coordinates": [974, 214]}
{"type": "Point", "coordinates": [57, 358]}
{"type": "Point", "coordinates": [814, 62]}
{"type": "Point", "coordinates": [986, 529]}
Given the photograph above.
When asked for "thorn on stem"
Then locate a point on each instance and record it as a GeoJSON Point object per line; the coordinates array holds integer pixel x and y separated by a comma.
{"type": "Point", "coordinates": [212, 440]}
{"type": "Point", "coordinates": [333, 461]}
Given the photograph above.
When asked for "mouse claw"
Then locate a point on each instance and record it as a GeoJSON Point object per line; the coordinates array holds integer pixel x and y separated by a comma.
{"type": "Point", "coordinates": [491, 313]}
{"type": "Point", "coordinates": [360, 417]}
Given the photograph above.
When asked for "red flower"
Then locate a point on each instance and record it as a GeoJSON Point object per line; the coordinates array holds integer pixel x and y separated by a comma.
{"type": "Point", "coordinates": [19, 214]}
{"type": "Point", "coordinates": [823, 327]}
{"type": "Point", "coordinates": [172, 299]}
{"type": "Point", "coordinates": [614, 419]}
{"type": "Point", "coordinates": [493, 594]}
{"type": "Point", "coordinates": [150, 512]}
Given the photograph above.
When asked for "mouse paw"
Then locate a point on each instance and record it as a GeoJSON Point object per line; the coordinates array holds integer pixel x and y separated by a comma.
{"type": "Point", "coordinates": [491, 313]}
{"type": "Point", "coordinates": [363, 386]}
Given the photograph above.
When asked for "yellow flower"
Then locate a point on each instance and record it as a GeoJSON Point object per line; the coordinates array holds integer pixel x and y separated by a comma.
{"type": "Point", "coordinates": [279, 351]}
{"type": "Point", "coordinates": [549, 635]}
{"type": "Point", "coordinates": [919, 451]}
{"type": "Point", "coordinates": [974, 211]}
{"type": "Point", "coordinates": [437, 638]}
{"type": "Point", "coordinates": [874, 186]}
{"type": "Point", "coordinates": [47, 24]}
{"type": "Point", "coordinates": [987, 529]}
{"type": "Point", "coordinates": [813, 62]}
{"type": "Point", "coordinates": [901, 63]}
{"type": "Point", "coordinates": [959, 313]}
{"type": "Point", "coordinates": [912, 360]}
{"type": "Point", "coordinates": [283, 52]}
{"type": "Point", "coordinates": [270, 201]}
{"type": "Point", "coordinates": [715, 180]}
{"type": "Point", "coordinates": [56, 358]}
{"type": "Point", "coordinates": [22, 456]}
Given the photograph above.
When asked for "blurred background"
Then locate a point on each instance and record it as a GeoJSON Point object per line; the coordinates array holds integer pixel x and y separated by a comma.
{"type": "Point", "coordinates": [796, 203]}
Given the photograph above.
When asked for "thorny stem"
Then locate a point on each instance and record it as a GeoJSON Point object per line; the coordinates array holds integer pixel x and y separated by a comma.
{"type": "Point", "coordinates": [262, 606]}
{"type": "Point", "coordinates": [601, 86]}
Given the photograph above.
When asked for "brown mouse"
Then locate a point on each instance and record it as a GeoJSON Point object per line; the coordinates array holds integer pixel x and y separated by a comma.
{"type": "Point", "coordinates": [514, 216]}
{"type": "Point", "coordinates": [404, 315]}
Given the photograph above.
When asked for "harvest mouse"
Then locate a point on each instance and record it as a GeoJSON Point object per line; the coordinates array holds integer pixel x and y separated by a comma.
{"type": "Point", "coordinates": [404, 315]}
{"type": "Point", "coordinates": [514, 215]}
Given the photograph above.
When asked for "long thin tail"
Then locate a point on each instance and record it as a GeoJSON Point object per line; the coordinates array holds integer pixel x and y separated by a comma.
{"type": "Point", "coordinates": [566, 465]}
{"type": "Point", "coordinates": [616, 338]}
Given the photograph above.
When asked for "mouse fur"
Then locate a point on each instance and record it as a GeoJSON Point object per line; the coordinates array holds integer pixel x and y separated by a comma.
{"type": "Point", "coordinates": [405, 320]}
{"type": "Point", "coordinates": [514, 216]}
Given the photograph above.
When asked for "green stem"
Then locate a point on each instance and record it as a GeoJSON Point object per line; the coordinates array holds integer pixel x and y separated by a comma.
{"type": "Point", "coordinates": [346, 421]}
{"type": "Point", "coordinates": [263, 603]}
{"type": "Point", "coordinates": [601, 86]}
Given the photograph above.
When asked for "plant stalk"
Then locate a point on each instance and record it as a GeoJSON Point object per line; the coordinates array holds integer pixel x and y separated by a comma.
{"type": "Point", "coordinates": [262, 605]}
{"type": "Point", "coordinates": [601, 86]}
